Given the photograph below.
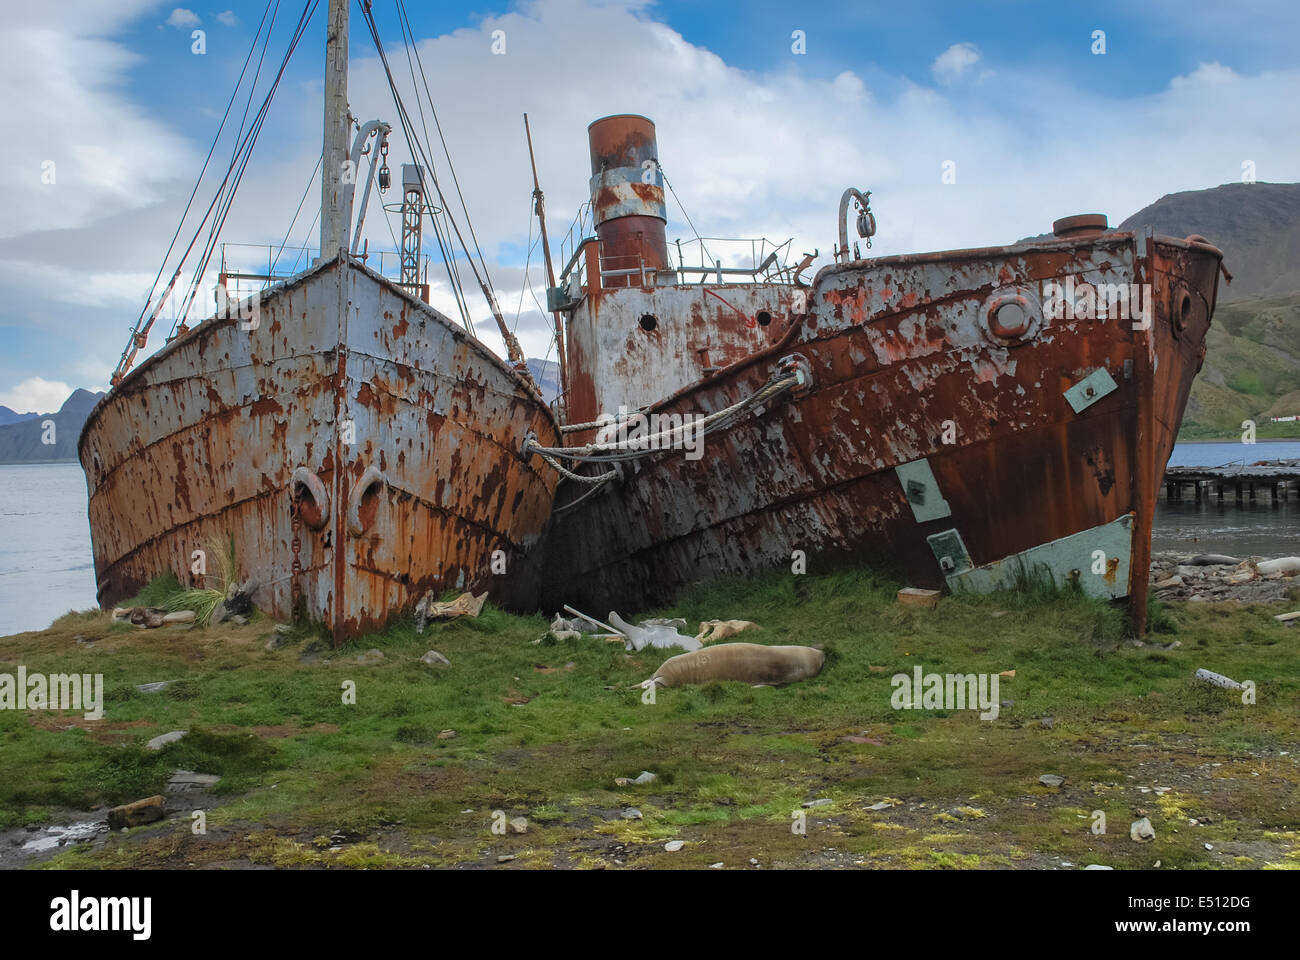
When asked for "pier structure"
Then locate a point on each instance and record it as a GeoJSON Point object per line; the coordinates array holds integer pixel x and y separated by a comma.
{"type": "Point", "coordinates": [1272, 479]}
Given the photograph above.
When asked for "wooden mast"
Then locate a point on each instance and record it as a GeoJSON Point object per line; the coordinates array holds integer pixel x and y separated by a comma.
{"type": "Point", "coordinates": [540, 208]}
{"type": "Point", "coordinates": [333, 218]}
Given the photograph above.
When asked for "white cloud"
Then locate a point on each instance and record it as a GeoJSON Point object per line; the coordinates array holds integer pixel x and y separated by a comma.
{"type": "Point", "coordinates": [227, 18]}
{"type": "Point", "coordinates": [36, 395]}
{"type": "Point", "coordinates": [950, 65]}
{"type": "Point", "coordinates": [849, 87]}
{"type": "Point", "coordinates": [750, 153]}
{"type": "Point", "coordinates": [183, 19]}
{"type": "Point", "coordinates": [1206, 75]}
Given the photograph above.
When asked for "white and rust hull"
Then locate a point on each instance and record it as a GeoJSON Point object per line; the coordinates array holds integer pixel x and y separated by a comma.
{"type": "Point", "coordinates": [398, 433]}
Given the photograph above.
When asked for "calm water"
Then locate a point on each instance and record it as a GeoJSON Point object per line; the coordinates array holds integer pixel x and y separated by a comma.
{"type": "Point", "coordinates": [46, 570]}
{"type": "Point", "coordinates": [45, 560]}
{"type": "Point", "coordinates": [1262, 528]}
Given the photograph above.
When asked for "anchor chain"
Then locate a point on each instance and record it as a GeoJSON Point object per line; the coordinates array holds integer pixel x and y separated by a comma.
{"type": "Point", "coordinates": [295, 585]}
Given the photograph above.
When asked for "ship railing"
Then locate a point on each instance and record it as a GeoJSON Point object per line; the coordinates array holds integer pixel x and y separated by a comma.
{"type": "Point", "coordinates": [721, 260]}
{"type": "Point", "coordinates": [715, 258]}
{"type": "Point", "coordinates": [578, 234]}
{"type": "Point", "coordinates": [248, 268]}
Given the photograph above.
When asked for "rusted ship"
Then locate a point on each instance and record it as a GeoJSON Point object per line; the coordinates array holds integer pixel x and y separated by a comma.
{"type": "Point", "coordinates": [967, 413]}
{"type": "Point", "coordinates": [359, 447]}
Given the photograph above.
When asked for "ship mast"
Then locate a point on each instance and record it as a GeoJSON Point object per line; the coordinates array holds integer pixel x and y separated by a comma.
{"type": "Point", "coordinates": [539, 206]}
{"type": "Point", "coordinates": [334, 218]}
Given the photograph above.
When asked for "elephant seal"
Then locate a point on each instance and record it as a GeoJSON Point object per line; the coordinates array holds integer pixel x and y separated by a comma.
{"type": "Point", "coordinates": [746, 662]}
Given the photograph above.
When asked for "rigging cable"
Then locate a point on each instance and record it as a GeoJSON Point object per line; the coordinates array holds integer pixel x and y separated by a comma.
{"type": "Point", "coordinates": [405, 20]}
{"type": "Point", "coordinates": [250, 141]}
{"type": "Point", "coordinates": [512, 346]}
{"type": "Point", "coordinates": [128, 355]}
{"type": "Point", "coordinates": [310, 180]}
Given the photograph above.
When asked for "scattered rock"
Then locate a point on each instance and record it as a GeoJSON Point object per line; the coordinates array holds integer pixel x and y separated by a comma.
{"type": "Point", "coordinates": [1174, 581]}
{"type": "Point", "coordinates": [519, 824]}
{"type": "Point", "coordinates": [645, 776]}
{"type": "Point", "coordinates": [239, 620]}
{"type": "Point", "coordinates": [672, 846]}
{"type": "Point", "coordinates": [716, 866]}
{"type": "Point", "coordinates": [1097, 866]}
{"type": "Point", "coordinates": [1047, 722]}
{"type": "Point", "coordinates": [181, 616]}
{"type": "Point", "coordinates": [435, 659]}
{"type": "Point", "coordinates": [186, 781]}
{"type": "Point", "coordinates": [1051, 780]}
{"type": "Point", "coordinates": [239, 601]}
{"type": "Point", "coordinates": [820, 802]}
{"type": "Point", "coordinates": [143, 616]}
{"type": "Point", "coordinates": [134, 814]}
{"type": "Point", "coordinates": [370, 657]}
{"type": "Point", "coordinates": [158, 742]}
{"type": "Point", "coordinates": [506, 857]}
{"type": "Point", "coordinates": [882, 805]}
{"type": "Point", "coordinates": [1141, 830]}
{"type": "Point", "coordinates": [631, 813]}
{"type": "Point", "coordinates": [447, 735]}
{"type": "Point", "coordinates": [154, 687]}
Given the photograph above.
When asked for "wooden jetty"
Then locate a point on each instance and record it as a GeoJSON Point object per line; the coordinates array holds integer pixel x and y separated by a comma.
{"type": "Point", "coordinates": [1277, 478]}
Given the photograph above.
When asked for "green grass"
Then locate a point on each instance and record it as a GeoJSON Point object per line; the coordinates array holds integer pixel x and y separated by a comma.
{"type": "Point", "coordinates": [541, 731]}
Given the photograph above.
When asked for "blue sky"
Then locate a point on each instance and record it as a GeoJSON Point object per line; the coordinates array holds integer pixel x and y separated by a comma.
{"type": "Point", "coordinates": [756, 139]}
{"type": "Point", "coordinates": [1147, 42]}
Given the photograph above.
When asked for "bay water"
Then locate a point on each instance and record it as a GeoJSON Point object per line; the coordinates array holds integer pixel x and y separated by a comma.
{"type": "Point", "coordinates": [46, 568]}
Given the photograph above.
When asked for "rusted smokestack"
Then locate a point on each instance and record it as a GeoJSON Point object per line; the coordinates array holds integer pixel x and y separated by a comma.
{"type": "Point", "coordinates": [627, 199]}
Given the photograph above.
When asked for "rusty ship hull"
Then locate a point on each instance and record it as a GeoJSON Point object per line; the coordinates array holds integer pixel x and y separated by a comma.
{"type": "Point", "coordinates": [396, 433]}
{"type": "Point", "coordinates": [970, 448]}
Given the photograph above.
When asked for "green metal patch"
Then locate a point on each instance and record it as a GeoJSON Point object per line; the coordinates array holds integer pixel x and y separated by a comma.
{"type": "Point", "coordinates": [950, 551]}
{"type": "Point", "coordinates": [1096, 559]}
{"type": "Point", "coordinates": [922, 491]}
{"type": "Point", "coordinates": [1090, 389]}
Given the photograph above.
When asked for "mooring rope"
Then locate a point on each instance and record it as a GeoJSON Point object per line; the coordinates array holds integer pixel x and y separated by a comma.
{"type": "Point", "coordinates": [635, 448]}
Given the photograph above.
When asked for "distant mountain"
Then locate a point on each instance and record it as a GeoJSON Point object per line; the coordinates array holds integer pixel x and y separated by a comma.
{"type": "Point", "coordinates": [8, 416]}
{"type": "Point", "coordinates": [1251, 371]}
{"type": "Point", "coordinates": [1256, 225]}
{"type": "Point", "coordinates": [24, 441]}
{"type": "Point", "coordinates": [546, 373]}
{"type": "Point", "coordinates": [1252, 357]}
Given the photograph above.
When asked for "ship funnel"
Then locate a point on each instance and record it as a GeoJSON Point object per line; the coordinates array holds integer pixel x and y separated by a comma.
{"type": "Point", "coordinates": [627, 200]}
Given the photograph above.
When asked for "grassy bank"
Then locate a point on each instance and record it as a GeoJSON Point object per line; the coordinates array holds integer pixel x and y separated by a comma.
{"type": "Point", "coordinates": [542, 731]}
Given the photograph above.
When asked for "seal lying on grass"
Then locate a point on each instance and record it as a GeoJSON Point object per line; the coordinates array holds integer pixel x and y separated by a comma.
{"type": "Point", "coordinates": [746, 662]}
